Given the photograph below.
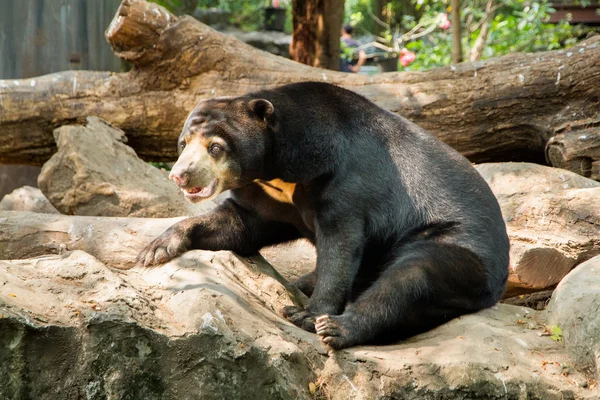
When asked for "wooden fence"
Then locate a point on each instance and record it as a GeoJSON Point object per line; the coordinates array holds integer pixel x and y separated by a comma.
{"type": "Point", "coordinates": [38, 37]}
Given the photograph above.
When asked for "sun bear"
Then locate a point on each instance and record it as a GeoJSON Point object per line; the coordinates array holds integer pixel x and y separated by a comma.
{"type": "Point", "coordinates": [407, 234]}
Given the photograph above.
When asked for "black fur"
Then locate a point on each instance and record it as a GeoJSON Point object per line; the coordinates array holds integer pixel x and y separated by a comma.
{"type": "Point", "coordinates": [408, 235]}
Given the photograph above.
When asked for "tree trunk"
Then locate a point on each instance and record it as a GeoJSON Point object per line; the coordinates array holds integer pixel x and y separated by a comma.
{"type": "Point", "coordinates": [456, 32]}
{"type": "Point", "coordinates": [316, 32]}
{"type": "Point", "coordinates": [499, 109]}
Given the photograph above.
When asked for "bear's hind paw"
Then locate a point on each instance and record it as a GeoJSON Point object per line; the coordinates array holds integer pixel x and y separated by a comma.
{"type": "Point", "coordinates": [331, 332]}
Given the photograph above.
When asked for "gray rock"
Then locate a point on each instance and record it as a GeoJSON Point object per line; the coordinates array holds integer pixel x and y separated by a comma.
{"type": "Point", "coordinates": [206, 327]}
{"type": "Point", "coordinates": [27, 198]}
{"type": "Point", "coordinates": [510, 178]}
{"type": "Point", "coordinates": [575, 308]}
{"type": "Point", "coordinates": [95, 173]}
{"type": "Point", "coordinates": [552, 217]}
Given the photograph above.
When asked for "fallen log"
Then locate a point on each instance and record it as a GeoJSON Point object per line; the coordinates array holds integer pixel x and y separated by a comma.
{"type": "Point", "coordinates": [576, 148]}
{"type": "Point", "coordinates": [499, 109]}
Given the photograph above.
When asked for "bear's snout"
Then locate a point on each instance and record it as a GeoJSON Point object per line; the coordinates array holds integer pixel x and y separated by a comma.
{"type": "Point", "coordinates": [179, 176]}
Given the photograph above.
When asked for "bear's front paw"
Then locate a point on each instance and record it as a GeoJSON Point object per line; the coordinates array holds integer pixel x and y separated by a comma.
{"type": "Point", "coordinates": [164, 248]}
{"type": "Point", "coordinates": [300, 317]}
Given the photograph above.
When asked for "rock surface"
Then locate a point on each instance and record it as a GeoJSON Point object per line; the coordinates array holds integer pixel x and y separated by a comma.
{"type": "Point", "coordinates": [204, 326]}
{"type": "Point", "coordinates": [510, 178]}
{"type": "Point", "coordinates": [95, 173]}
{"type": "Point", "coordinates": [575, 308]}
{"type": "Point", "coordinates": [27, 198]}
{"type": "Point", "coordinates": [552, 217]}
{"type": "Point", "coordinates": [114, 241]}
{"type": "Point", "coordinates": [550, 234]}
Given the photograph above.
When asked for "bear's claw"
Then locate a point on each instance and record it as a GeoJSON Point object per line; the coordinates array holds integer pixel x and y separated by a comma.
{"type": "Point", "coordinates": [300, 317]}
{"type": "Point", "coordinates": [163, 249]}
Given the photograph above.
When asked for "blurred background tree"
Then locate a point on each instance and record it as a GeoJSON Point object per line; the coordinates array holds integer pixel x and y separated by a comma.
{"type": "Point", "coordinates": [490, 28]}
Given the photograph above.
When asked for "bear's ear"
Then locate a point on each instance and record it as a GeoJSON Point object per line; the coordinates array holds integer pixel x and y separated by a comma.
{"type": "Point", "coordinates": [261, 108]}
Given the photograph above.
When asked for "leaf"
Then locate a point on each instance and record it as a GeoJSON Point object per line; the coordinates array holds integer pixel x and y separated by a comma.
{"type": "Point", "coordinates": [556, 333]}
{"type": "Point", "coordinates": [312, 388]}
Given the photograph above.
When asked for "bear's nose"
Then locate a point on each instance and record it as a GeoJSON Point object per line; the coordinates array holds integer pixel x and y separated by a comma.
{"type": "Point", "coordinates": [181, 178]}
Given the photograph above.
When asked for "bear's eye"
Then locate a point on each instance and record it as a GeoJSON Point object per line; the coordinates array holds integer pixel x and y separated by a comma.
{"type": "Point", "coordinates": [182, 145]}
{"type": "Point", "coordinates": [215, 149]}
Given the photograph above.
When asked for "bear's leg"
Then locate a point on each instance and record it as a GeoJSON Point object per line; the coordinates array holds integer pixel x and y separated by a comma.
{"type": "Point", "coordinates": [306, 283]}
{"type": "Point", "coordinates": [426, 286]}
{"type": "Point", "coordinates": [228, 227]}
{"type": "Point", "coordinates": [339, 253]}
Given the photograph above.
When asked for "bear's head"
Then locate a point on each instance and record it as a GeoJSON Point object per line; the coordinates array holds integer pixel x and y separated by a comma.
{"type": "Point", "coordinates": [224, 145]}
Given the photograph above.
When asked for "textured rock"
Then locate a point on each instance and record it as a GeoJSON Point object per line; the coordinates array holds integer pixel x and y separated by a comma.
{"type": "Point", "coordinates": [292, 259]}
{"type": "Point", "coordinates": [27, 198]}
{"type": "Point", "coordinates": [510, 178]}
{"type": "Point", "coordinates": [114, 241]}
{"type": "Point", "coordinates": [205, 327]}
{"type": "Point", "coordinates": [552, 217]}
{"type": "Point", "coordinates": [575, 308]}
{"type": "Point", "coordinates": [95, 173]}
{"type": "Point", "coordinates": [550, 234]}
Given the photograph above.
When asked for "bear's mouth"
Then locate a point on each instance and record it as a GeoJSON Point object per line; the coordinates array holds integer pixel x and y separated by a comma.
{"type": "Point", "coordinates": [200, 192]}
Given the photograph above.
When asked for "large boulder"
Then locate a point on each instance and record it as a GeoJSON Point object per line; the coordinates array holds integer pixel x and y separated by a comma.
{"type": "Point", "coordinates": [95, 173]}
{"type": "Point", "coordinates": [206, 327]}
{"type": "Point", "coordinates": [550, 234]}
{"type": "Point", "coordinates": [552, 217]}
{"type": "Point", "coordinates": [575, 309]}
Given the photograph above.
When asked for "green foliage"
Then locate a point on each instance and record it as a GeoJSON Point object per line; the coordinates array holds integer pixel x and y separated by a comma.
{"type": "Point", "coordinates": [521, 26]}
{"type": "Point", "coordinates": [346, 53]}
{"type": "Point", "coordinates": [556, 333]}
{"type": "Point", "coordinates": [160, 165]}
{"type": "Point", "coordinates": [358, 14]}
{"type": "Point", "coordinates": [431, 52]}
{"type": "Point", "coordinates": [247, 15]}
{"type": "Point", "coordinates": [517, 26]}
